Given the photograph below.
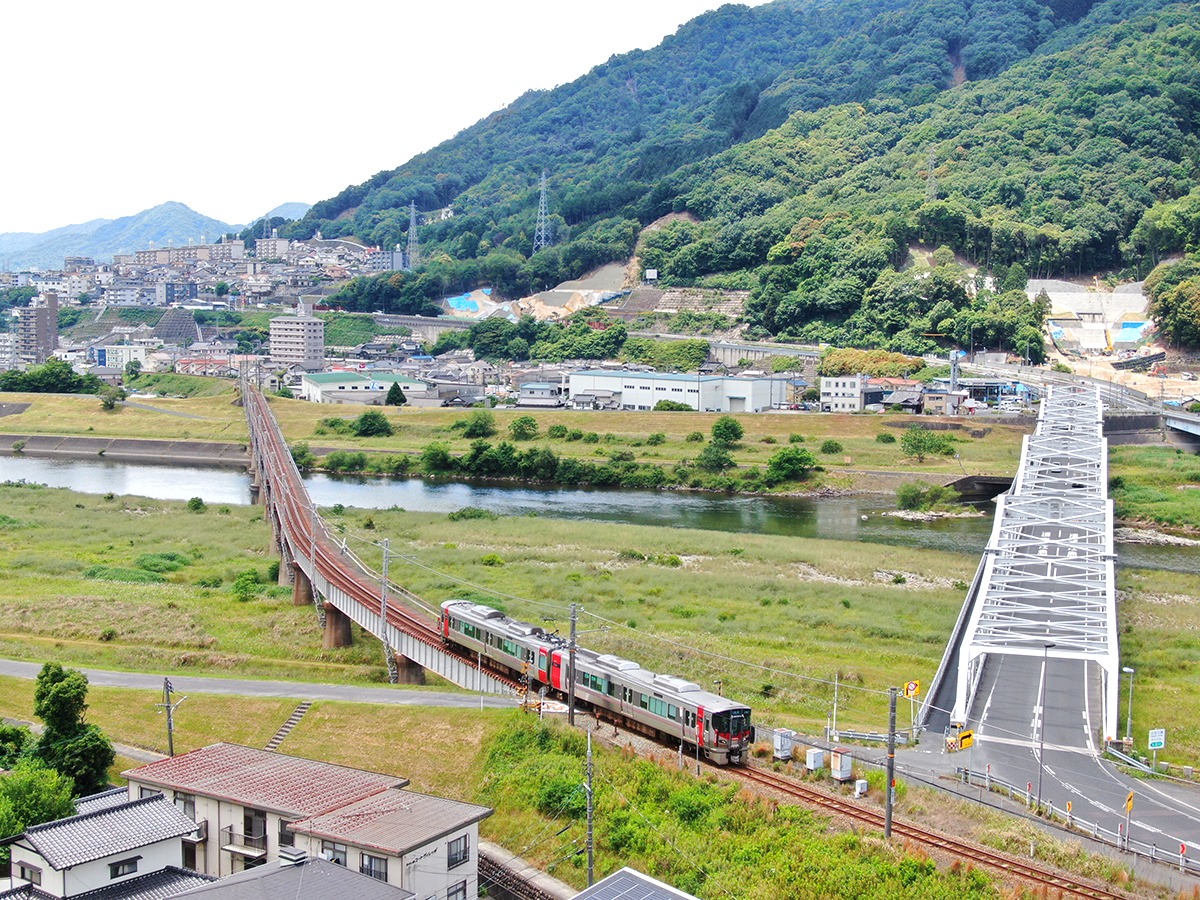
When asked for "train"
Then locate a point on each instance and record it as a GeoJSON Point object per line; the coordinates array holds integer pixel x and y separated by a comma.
{"type": "Point", "coordinates": [664, 706]}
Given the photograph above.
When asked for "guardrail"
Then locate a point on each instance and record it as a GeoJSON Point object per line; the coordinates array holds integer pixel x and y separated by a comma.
{"type": "Point", "coordinates": [1067, 821]}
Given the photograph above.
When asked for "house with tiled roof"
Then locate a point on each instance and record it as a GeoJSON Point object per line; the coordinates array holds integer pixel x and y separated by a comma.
{"type": "Point", "coordinates": [425, 844]}
{"type": "Point", "coordinates": [297, 879]}
{"type": "Point", "coordinates": [244, 799]}
{"type": "Point", "coordinates": [109, 851]}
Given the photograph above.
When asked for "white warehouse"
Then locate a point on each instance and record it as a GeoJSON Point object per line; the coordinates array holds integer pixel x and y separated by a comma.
{"type": "Point", "coordinates": [597, 389]}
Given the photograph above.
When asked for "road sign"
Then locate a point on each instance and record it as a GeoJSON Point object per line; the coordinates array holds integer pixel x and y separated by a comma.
{"type": "Point", "coordinates": [1158, 738]}
{"type": "Point", "coordinates": [912, 689]}
{"type": "Point", "coordinates": [1129, 803]}
{"type": "Point", "coordinates": [965, 739]}
{"type": "Point", "coordinates": [1068, 807]}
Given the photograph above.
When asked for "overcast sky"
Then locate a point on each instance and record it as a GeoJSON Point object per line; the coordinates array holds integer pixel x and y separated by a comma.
{"type": "Point", "coordinates": [233, 108]}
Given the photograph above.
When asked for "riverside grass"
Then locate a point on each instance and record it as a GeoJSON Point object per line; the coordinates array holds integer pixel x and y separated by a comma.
{"type": "Point", "coordinates": [796, 611]}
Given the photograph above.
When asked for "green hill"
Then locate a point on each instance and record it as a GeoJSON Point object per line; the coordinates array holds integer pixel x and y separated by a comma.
{"type": "Point", "coordinates": [811, 145]}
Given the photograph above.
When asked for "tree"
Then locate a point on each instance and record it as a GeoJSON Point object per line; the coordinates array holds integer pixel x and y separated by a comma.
{"type": "Point", "coordinates": [395, 396]}
{"type": "Point", "coordinates": [110, 396]}
{"type": "Point", "coordinates": [715, 458]}
{"type": "Point", "coordinates": [285, 392]}
{"type": "Point", "coordinates": [480, 424]}
{"type": "Point", "coordinates": [727, 430]}
{"type": "Point", "coordinates": [133, 368]}
{"type": "Point", "coordinates": [920, 442]}
{"type": "Point", "coordinates": [790, 464]}
{"type": "Point", "coordinates": [672, 406]}
{"type": "Point", "coordinates": [74, 748]}
{"type": "Point", "coordinates": [221, 289]}
{"type": "Point", "coordinates": [523, 428]}
{"type": "Point", "coordinates": [372, 424]}
{"type": "Point", "coordinates": [29, 795]}
{"type": "Point", "coordinates": [15, 742]}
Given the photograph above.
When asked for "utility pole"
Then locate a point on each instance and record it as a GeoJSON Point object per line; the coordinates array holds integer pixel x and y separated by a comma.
{"type": "Point", "coordinates": [891, 764]}
{"type": "Point", "coordinates": [170, 707]}
{"type": "Point", "coordinates": [833, 733]}
{"type": "Point", "coordinates": [571, 669]}
{"type": "Point", "coordinates": [591, 811]}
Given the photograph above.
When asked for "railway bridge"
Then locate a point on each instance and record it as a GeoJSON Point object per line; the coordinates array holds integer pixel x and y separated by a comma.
{"type": "Point", "coordinates": [325, 573]}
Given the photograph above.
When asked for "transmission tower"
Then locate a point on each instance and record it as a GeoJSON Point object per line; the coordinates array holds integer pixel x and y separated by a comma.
{"type": "Point", "coordinates": [541, 238]}
{"type": "Point", "coordinates": [931, 187]}
{"type": "Point", "coordinates": [411, 257]}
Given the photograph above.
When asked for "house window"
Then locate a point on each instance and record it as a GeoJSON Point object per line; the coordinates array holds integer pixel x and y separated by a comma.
{"type": "Point", "coordinates": [189, 855]}
{"type": "Point", "coordinates": [124, 867]}
{"type": "Point", "coordinates": [286, 838]}
{"type": "Point", "coordinates": [144, 792]}
{"type": "Point", "coordinates": [457, 852]}
{"type": "Point", "coordinates": [29, 873]}
{"type": "Point", "coordinates": [457, 891]}
{"type": "Point", "coordinates": [335, 853]}
{"type": "Point", "coordinates": [186, 804]}
{"type": "Point", "coordinates": [374, 866]}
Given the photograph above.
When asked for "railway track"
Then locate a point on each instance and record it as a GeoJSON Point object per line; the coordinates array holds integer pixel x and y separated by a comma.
{"type": "Point", "coordinates": [1010, 866]}
{"type": "Point", "coordinates": [292, 505]}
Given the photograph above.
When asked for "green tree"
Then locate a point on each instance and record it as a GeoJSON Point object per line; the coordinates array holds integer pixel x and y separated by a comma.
{"type": "Point", "coordinates": [395, 396]}
{"type": "Point", "coordinates": [727, 430]}
{"type": "Point", "coordinates": [715, 458]}
{"type": "Point", "coordinates": [221, 289]}
{"type": "Point", "coordinates": [672, 406]}
{"type": "Point", "coordinates": [133, 368]}
{"type": "Point", "coordinates": [920, 442]}
{"type": "Point", "coordinates": [110, 396]}
{"type": "Point", "coordinates": [523, 428]}
{"type": "Point", "coordinates": [372, 424]}
{"type": "Point", "coordinates": [31, 794]}
{"type": "Point", "coordinates": [15, 742]}
{"type": "Point", "coordinates": [790, 464]}
{"type": "Point", "coordinates": [74, 748]}
{"type": "Point", "coordinates": [480, 424]}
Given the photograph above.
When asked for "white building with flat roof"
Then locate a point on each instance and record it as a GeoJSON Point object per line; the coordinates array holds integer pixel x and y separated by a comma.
{"type": "Point", "coordinates": [598, 389]}
{"type": "Point", "coordinates": [298, 340]}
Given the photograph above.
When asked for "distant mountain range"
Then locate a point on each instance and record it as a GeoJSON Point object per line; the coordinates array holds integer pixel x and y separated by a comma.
{"type": "Point", "coordinates": [101, 239]}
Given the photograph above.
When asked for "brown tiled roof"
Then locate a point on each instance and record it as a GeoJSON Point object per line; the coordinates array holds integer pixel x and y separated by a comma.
{"type": "Point", "coordinates": [289, 785]}
{"type": "Point", "coordinates": [393, 821]}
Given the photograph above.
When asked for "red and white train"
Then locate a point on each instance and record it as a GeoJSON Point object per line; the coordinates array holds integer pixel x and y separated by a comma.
{"type": "Point", "coordinates": [671, 708]}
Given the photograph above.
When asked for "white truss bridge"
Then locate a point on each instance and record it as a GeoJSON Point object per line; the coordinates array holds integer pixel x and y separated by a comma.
{"type": "Point", "coordinates": [1045, 585]}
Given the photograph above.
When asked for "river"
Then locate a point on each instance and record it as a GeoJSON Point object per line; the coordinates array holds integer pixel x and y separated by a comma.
{"type": "Point", "coordinates": [830, 518]}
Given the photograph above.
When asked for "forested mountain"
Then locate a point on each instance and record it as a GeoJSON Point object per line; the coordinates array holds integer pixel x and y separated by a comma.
{"type": "Point", "coordinates": [809, 144]}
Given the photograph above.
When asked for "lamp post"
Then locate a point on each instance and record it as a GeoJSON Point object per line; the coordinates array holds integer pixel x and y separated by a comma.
{"type": "Point", "coordinates": [1042, 727]}
{"type": "Point", "coordinates": [1129, 707]}
{"type": "Point", "coordinates": [972, 343]}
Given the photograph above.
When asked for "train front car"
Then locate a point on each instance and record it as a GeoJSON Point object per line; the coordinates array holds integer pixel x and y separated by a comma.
{"type": "Point", "coordinates": [731, 733]}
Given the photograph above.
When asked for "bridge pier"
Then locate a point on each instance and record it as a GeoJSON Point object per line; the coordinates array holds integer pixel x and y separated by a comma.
{"type": "Point", "coordinates": [337, 628]}
{"type": "Point", "coordinates": [408, 672]}
{"type": "Point", "coordinates": [302, 590]}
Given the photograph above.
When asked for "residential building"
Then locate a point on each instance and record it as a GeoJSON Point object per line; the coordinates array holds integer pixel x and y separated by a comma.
{"type": "Point", "coordinates": [8, 351]}
{"type": "Point", "coordinates": [425, 844]}
{"type": "Point", "coordinates": [299, 340]}
{"type": "Point", "coordinates": [600, 389]}
{"type": "Point", "coordinates": [271, 248]}
{"type": "Point", "coordinates": [37, 329]}
{"type": "Point", "coordinates": [258, 806]}
{"type": "Point", "coordinates": [113, 847]}
{"type": "Point", "coordinates": [386, 260]}
{"type": "Point", "coordinates": [168, 292]}
{"type": "Point", "coordinates": [844, 393]}
{"type": "Point", "coordinates": [296, 878]}
{"type": "Point", "coordinates": [541, 393]}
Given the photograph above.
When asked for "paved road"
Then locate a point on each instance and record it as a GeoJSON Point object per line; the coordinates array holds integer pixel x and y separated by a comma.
{"type": "Point", "coordinates": [1010, 712]}
{"type": "Point", "coordinates": [297, 690]}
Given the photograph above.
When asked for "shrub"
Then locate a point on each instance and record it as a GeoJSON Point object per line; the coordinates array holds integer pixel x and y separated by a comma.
{"type": "Point", "coordinates": [591, 438]}
{"type": "Point", "coordinates": [196, 505]}
{"type": "Point", "coordinates": [108, 634]}
{"type": "Point", "coordinates": [695, 437]}
{"type": "Point", "coordinates": [795, 439]}
{"type": "Point", "coordinates": [575, 434]}
{"type": "Point", "coordinates": [334, 425]}
{"type": "Point", "coordinates": [117, 573]}
{"type": "Point", "coordinates": [491, 559]}
{"type": "Point", "coordinates": [670, 560]}
{"type": "Point", "coordinates": [656, 439]}
{"type": "Point", "coordinates": [345, 461]}
{"type": "Point", "coordinates": [523, 428]}
{"type": "Point", "coordinates": [790, 464]}
{"type": "Point", "coordinates": [480, 424]}
{"type": "Point", "coordinates": [769, 439]}
{"type": "Point", "coordinates": [556, 432]}
{"type": "Point", "coordinates": [831, 447]}
{"type": "Point", "coordinates": [162, 562]}
{"type": "Point", "coordinates": [885, 438]}
{"type": "Point", "coordinates": [727, 430]}
{"type": "Point", "coordinates": [436, 458]}
{"type": "Point", "coordinates": [18, 446]}
{"type": "Point", "coordinates": [372, 424]}
{"type": "Point", "coordinates": [471, 512]}
{"type": "Point", "coordinates": [246, 586]}
{"type": "Point", "coordinates": [714, 458]}
{"type": "Point", "coordinates": [671, 406]}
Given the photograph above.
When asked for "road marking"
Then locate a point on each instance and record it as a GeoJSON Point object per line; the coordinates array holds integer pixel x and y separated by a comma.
{"type": "Point", "coordinates": [1028, 744]}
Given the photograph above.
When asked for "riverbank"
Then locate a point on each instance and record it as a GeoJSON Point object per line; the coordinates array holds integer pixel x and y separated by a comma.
{"type": "Point", "coordinates": [183, 452]}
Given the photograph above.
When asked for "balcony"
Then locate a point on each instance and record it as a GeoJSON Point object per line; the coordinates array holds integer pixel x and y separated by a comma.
{"type": "Point", "coordinates": [200, 835]}
{"type": "Point", "coordinates": [251, 846]}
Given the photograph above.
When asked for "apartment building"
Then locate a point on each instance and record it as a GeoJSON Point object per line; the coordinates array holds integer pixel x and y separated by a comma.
{"type": "Point", "coordinates": [37, 329]}
{"type": "Point", "coordinates": [298, 340]}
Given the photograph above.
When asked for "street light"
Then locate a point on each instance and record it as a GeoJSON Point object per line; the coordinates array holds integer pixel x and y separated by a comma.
{"type": "Point", "coordinates": [1129, 707]}
{"type": "Point", "coordinates": [1042, 728]}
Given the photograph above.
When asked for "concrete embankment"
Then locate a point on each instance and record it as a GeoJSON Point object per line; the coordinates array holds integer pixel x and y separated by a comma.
{"type": "Point", "coordinates": [191, 453]}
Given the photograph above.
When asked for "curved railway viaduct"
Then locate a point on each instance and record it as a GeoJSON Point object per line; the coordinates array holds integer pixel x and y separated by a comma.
{"type": "Point", "coordinates": [344, 590]}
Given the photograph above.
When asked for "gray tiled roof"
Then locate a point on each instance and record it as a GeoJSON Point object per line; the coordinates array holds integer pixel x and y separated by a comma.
{"type": "Point", "coordinates": [116, 829]}
{"type": "Point", "coordinates": [630, 884]}
{"type": "Point", "coordinates": [289, 785]}
{"type": "Point", "coordinates": [312, 879]}
{"type": "Point", "coordinates": [152, 886]}
{"type": "Point", "coordinates": [103, 800]}
{"type": "Point", "coordinates": [393, 821]}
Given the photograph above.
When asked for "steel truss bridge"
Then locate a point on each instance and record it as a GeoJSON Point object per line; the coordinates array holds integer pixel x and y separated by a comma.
{"type": "Point", "coordinates": [1045, 585]}
{"type": "Point", "coordinates": [324, 572]}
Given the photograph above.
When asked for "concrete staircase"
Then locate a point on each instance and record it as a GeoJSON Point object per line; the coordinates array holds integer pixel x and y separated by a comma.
{"type": "Point", "coordinates": [286, 728]}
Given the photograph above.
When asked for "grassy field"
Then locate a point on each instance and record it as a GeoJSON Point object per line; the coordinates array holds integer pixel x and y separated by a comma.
{"type": "Point", "coordinates": [1156, 484]}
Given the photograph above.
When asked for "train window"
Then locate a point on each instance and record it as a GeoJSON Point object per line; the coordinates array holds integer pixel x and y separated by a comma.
{"type": "Point", "coordinates": [627, 695]}
{"type": "Point", "coordinates": [672, 712]}
{"type": "Point", "coordinates": [643, 701]}
{"type": "Point", "coordinates": [612, 689]}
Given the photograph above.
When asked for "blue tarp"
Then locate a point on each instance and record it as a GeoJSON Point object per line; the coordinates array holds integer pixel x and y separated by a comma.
{"type": "Point", "coordinates": [463, 303]}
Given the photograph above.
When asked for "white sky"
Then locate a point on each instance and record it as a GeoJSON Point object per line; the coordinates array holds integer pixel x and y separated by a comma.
{"type": "Point", "coordinates": [233, 108]}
